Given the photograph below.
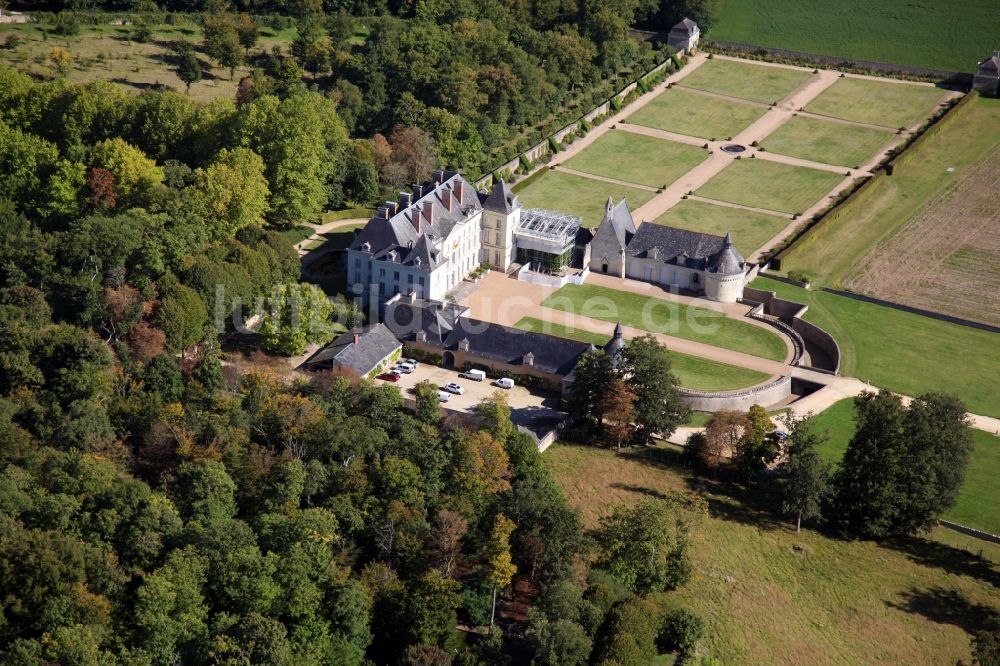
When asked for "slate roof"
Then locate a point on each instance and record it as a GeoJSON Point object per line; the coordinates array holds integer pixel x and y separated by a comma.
{"type": "Point", "coordinates": [685, 248]}
{"type": "Point", "coordinates": [991, 64]}
{"type": "Point", "coordinates": [374, 344]}
{"type": "Point", "coordinates": [686, 26]}
{"type": "Point", "coordinates": [501, 199]}
{"type": "Point", "coordinates": [445, 326]}
{"type": "Point", "coordinates": [617, 223]}
{"type": "Point", "coordinates": [392, 233]}
{"type": "Point", "coordinates": [615, 344]}
{"type": "Point", "coordinates": [509, 345]}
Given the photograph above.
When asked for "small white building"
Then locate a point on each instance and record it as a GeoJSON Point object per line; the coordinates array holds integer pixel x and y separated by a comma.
{"type": "Point", "coordinates": [684, 37]}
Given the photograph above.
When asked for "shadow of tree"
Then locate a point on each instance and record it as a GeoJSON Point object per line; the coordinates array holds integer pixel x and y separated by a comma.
{"type": "Point", "coordinates": [945, 606]}
{"type": "Point", "coordinates": [953, 560]}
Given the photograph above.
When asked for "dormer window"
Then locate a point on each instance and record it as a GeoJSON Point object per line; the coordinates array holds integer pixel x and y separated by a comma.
{"type": "Point", "coordinates": [367, 247]}
{"type": "Point", "coordinates": [392, 255]}
{"type": "Point", "coordinates": [417, 261]}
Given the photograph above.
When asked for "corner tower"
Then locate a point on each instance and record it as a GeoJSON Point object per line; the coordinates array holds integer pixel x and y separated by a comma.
{"type": "Point", "coordinates": [501, 214]}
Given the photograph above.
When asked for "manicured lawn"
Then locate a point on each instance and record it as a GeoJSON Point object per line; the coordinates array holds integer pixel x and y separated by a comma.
{"type": "Point", "coordinates": [829, 253]}
{"type": "Point", "coordinates": [694, 114]}
{"type": "Point", "coordinates": [750, 230]}
{"type": "Point", "coordinates": [692, 371]}
{"type": "Point", "coordinates": [637, 158]}
{"type": "Point", "coordinates": [891, 105]}
{"type": "Point", "coordinates": [905, 352]}
{"type": "Point", "coordinates": [297, 234]}
{"type": "Point", "coordinates": [758, 83]}
{"type": "Point", "coordinates": [660, 316]}
{"type": "Point", "coordinates": [578, 195]}
{"type": "Point", "coordinates": [978, 503]}
{"type": "Point", "coordinates": [771, 185]}
{"type": "Point", "coordinates": [771, 596]}
{"type": "Point", "coordinates": [952, 35]}
{"type": "Point", "coordinates": [828, 142]}
{"type": "Point", "coordinates": [341, 237]}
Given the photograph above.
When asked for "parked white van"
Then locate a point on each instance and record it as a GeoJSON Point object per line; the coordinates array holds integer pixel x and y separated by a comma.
{"type": "Point", "coordinates": [504, 383]}
{"type": "Point", "coordinates": [474, 375]}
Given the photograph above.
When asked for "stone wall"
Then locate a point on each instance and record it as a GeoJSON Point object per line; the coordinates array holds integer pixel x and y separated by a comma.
{"type": "Point", "coordinates": [817, 336]}
{"type": "Point", "coordinates": [765, 394]}
{"type": "Point", "coordinates": [773, 305]}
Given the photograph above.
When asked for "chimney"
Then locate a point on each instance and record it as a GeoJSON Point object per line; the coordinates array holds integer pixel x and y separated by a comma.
{"type": "Point", "coordinates": [391, 208]}
{"type": "Point", "coordinates": [418, 190]}
{"type": "Point", "coordinates": [405, 199]}
{"type": "Point", "coordinates": [357, 338]}
{"type": "Point", "coordinates": [458, 192]}
{"type": "Point", "coordinates": [383, 212]}
{"type": "Point", "coordinates": [429, 211]}
{"type": "Point", "coordinates": [446, 199]}
{"type": "Point", "coordinates": [415, 220]}
{"type": "Point", "coordinates": [438, 176]}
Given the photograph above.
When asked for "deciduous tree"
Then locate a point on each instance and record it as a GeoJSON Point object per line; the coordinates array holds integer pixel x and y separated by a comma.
{"type": "Point", "coordinates": [803, 476]}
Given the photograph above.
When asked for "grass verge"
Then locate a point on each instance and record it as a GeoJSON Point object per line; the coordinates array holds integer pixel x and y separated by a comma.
{"type": "Point", "coordinates": [693, 372]}
{"type": "Point", "coordinates": [657, 315]}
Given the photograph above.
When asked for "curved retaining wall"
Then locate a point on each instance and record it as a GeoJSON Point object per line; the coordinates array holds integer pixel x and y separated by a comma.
{"type": "Point", "coordinates": [816, 335]}
{"type": "Point", "coordinates": [742, 400]}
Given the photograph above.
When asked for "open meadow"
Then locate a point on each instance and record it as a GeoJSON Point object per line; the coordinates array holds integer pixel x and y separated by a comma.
{"type": "Point", "coordinates": [828, 142]}
{"type": "Point", "coordinates": [693, 372]}
{"type": "Point", "coordinates": [947, 258]}
{"type": "Point", "coordinates": [758, 83]}
{"type": "Point", "coordinates": [697, 114]}
{"type": "Point", "coordinates": [657, 315]}
{"type": "Point", "coordinates": [577, 195]}
{"type": "Point", "coordinates": [888, 104]}
{"type": "Point", "coordinates": [637, 158]}
{"type": "Point", "coordinates": [831, 251]}
{"type": "Point", "coordinates": [750, 230]}
{"type": "Point", "coordinates": [771, 596]}
{"type": "Point", "coordinates": [903, 352]}
{"type": "Point", "coordinates": [770, 185]}
{"type": "Point", "coordinates": [952, 34]}
{"type": "Point", "coordinates": [978, 503]}
{"type": "Point", "coordinates": [111, 52]}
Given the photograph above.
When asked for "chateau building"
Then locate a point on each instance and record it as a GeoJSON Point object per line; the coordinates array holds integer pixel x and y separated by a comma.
{"type": "Point", "coordinates": [430, 239]}
{"type": "Point", "coordinates": [689, 260]}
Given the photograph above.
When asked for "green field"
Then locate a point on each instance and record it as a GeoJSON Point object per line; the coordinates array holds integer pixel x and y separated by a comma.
{"type": "Point", "coordinates": [906, 353]}
{"type": "Point", "coordinates": [885, 104]}
{"type": "Point", "coordinates": [668, 317]}
{"type": "Point", "coordinates": [827, 142]}
{"type": "Point", "coordinates": [762, 184]}
{"type": "Point", "coordinates": [693, 372]}
{"type": "Point", "coordinates": [750, 230]}
{"type": "Point", "coordinates": [577, 195]}
{"type": "Point", "coordinates": [637, 158]}
{"type": "Point", "coordinates": [952, 35]}
{"type": "Point", "coordinates": [694, 114]}
{"type": "Point", "coordinates": [771, 596]}
{"type": "Point", "coordinates": [978, 504]}
{"type": "Point", "coordinates": [830, 251]}
{"type": "Point", "coordinates": [758, 83]}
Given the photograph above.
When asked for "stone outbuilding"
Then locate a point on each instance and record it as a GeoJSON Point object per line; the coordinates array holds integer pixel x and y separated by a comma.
{"type": "Point", "coordinates": [607, 249]}
{"type": "Point", "coordinates": [987, 77]}
{"type": "Point", "coordinates": [363, 352]}
{"type": "Point", "coordinates": [684, 36]}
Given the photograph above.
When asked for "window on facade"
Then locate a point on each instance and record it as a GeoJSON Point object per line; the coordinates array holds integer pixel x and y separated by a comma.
{"type": "Point", "coordinates": [420, 280]}
{"type": "Point", "coordinates": [395, 276]}
{"type": "Point", "coordinates": [381, 272]}
{"type": "Point", "coordinates": [381, 288]}
{"type": "Point", "coordinates": [395, 290]}
{"type": "Point", "coordinates": [409, 279]}
{"type": "Point", "coordinates": [498, 238]}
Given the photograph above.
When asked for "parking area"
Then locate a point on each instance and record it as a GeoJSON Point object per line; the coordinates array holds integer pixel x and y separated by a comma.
{"type": "Point", "coordinates": [528, 408]}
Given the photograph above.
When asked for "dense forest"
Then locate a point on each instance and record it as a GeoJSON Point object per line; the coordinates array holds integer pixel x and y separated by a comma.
{"type": "Point", "coordinates": [482, 80]}
{"type": "Point", "coordinates": [161, 505]}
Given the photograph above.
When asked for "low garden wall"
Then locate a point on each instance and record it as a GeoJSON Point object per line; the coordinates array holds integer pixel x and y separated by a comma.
{"type": "Point", "coordinates": [765, 394]}
{"type": "Point", "coordinates": [792, 312]}
{"type": "Point", "coordinates": [814, 334]}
